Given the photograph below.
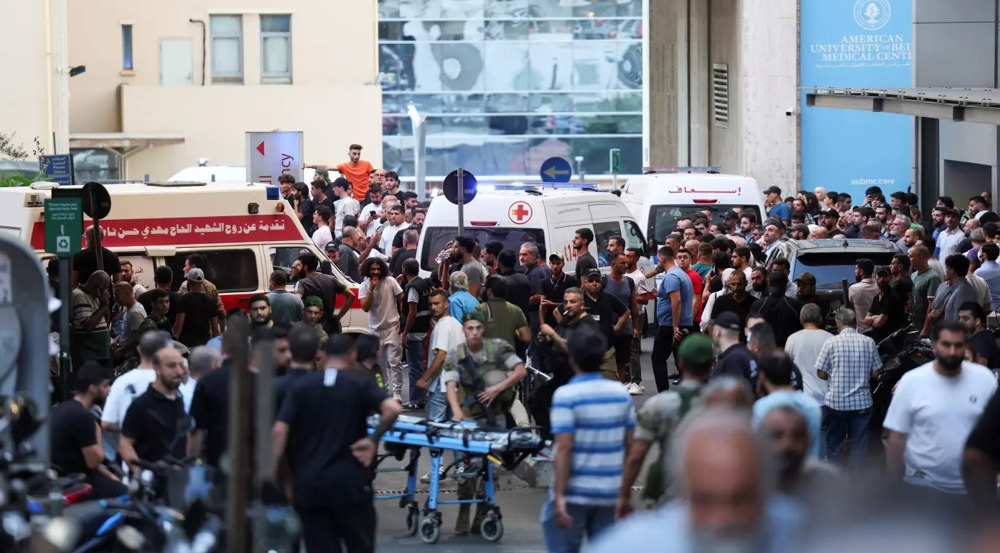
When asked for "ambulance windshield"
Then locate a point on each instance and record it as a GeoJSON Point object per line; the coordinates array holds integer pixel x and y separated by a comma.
{"type": "Point", "coordinates": [436, 239]}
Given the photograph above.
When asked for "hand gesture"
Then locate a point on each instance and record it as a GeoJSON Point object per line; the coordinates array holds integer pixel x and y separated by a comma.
{"type": "Point", "coordinates": [563, 519]}
{"type": "Point", "coordinates": [364, 451]}
{"type": "Point", "coordinates": [487, 396]}
{"type": "Point", "coordinates": [422, 383]}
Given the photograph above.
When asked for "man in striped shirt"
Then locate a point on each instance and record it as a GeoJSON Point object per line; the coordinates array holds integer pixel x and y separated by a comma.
{"type": "Point", "coordinates": [593, 420]}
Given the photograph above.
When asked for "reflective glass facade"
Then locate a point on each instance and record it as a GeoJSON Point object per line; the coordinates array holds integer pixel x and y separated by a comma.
{"type": "Point", "coordinates": [506, 84]}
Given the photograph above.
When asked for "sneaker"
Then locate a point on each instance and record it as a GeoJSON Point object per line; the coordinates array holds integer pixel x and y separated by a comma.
{"type": "Point", "coordinates": [634, 390]}
{"type": "Point", "coordinates": [410, 406]}
{"type": "Point", "coordinates": [426, 479]}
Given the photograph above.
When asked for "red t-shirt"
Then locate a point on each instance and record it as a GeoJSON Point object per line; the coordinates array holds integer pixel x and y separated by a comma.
{"type": "Point", "coordinates": [358, 175]}
{"type": "Point", "coordinates": [696, 283]}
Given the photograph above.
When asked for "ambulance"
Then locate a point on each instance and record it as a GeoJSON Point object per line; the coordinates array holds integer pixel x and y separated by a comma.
{"type": "Point", "coordinates": [515, 214]}
{"type": "Point", "coordinates": [244, 231]}
{"type": "Point", "coordinates": [662, 195]}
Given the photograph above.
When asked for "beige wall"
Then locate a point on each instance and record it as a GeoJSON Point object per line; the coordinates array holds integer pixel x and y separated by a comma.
{"type": "Point", "coordinates": [29, 96]}
{"type": "Point", "coordinates": [224, 114]}
{"type": "Point", "coordinates": [334, 60]}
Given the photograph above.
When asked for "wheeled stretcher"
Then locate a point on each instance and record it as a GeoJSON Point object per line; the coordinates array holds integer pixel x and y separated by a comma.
{"type": "Point", "coordinates": [481, 447]}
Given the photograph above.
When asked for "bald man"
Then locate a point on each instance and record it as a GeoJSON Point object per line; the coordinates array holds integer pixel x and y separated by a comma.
{"type": "Point", "coordinates": [726, 498]}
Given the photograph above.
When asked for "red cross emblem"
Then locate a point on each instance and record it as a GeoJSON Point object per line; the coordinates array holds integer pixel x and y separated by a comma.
{"type": "Point", "coordinates": [520, 213]}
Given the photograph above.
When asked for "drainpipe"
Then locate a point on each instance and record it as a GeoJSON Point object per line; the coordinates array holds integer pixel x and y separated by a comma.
{"type": "Point", "coordinates": [204, 47]}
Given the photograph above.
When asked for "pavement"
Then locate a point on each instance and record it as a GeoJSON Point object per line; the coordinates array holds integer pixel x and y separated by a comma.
{"type": "Point", "coordinates": [519, 503]}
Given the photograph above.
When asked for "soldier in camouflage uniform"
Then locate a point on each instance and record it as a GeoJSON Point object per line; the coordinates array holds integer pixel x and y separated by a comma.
{"type": "Point", "coordinates": [479, 376]}
{"type": "Point", "coordinates": [159, 304]}
{"type": "Point", "coordinates": [312, 313]}
{"type": "Point", "coordinates": [659, 417]}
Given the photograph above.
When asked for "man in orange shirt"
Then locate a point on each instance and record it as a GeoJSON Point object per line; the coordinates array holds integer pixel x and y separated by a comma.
{"type": "Point", "coordinates": [357, 172]}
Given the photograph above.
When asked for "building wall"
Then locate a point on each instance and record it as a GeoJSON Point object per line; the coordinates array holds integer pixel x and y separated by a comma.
{"type": "Point", "coordinates": [332, 97]}
{"type": "Point", "coordinates": [30, 93]}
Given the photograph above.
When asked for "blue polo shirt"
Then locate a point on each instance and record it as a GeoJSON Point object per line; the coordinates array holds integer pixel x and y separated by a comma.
{"type": "Point", "coordinates": [598, 412]}
{"type": "Point", "coordinates": [675, 280]}
{"type": "Point", "coordinates": [781, 211]}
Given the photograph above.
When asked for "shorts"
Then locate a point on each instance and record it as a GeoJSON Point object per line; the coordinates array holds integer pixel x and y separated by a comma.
{"type": "Point", "coordinates": [623, 347]}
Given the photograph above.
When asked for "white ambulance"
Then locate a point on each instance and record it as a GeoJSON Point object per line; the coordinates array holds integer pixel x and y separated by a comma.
{"type": "Point", "coordinates": [244, 231]}
{"type": "Point", "coordinates": [515, 214]}
{"type": "Point", "coordinates": [661, 196]}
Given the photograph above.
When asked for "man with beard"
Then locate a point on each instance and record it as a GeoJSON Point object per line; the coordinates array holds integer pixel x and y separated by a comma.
{"type": "Point", "coordinates": [759, 280]}
{"type": "Point", "coordinates": [863, 292]}
{"type": "Point", "coordinates": [805, 292]}
{"type": "Point", "coordinates": [776, 372]}
{"type": "Point", "coordinates": [954, 291]}
{"type": "Point", "coordinates": [260, 312]}
{"type": "Point", "coordinates": [933, 410]}
{"type": "Point", "coordinates": [153, 427]}
{"type": "Point", "coordinates": [379, 294]}
{"type": "Point", "coordinates": [982, 345]}
{"type": "Point", "coordinates": [737, 301]}
{"type": "Point", "coordinates": [951, 236]}
{"type": "Point", "coordinates": [726, 501]}
{"type": "Point", "coordinates": [310, 282]}
{"type": "Point", "coordinates": [779, 310]}
{"type": "Point", "coordinates": [473, 269]}
{"type": "Point", "coordinates": [888, 311]}
{"type": "Point", "coordinates": [75, 437]}
{"type": "Point", "coordinates": [901, 282]}
{"type": "Point", "coordinates": [784, 425]}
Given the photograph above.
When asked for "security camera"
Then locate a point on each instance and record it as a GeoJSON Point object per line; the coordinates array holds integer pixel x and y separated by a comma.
{"type": "Point", "coordinates": [791, 111]}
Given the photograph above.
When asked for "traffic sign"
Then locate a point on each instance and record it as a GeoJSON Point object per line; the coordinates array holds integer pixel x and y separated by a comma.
{"type": "Point", "coordinates": [96, 200]}
{"type": "Point", "coordinates": [63, 226]}
{"type": "Point", "coordinates": [556, 169]}
{"type": "Point", "coordinates": [272, 154]}
{"type": "Point", "coordinates": [59, 168]}
{"type": "Point", "coordinates": [615, 160]}
{"type": "Point", "coordinates": [450, 186]}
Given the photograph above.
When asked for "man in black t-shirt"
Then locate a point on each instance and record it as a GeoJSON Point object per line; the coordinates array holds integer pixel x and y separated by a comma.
{"type": "Point", "coordinates": [584, 259]}
{"type": "Point", "coordinates": [983, 345]}
{"type": "Point", "coordinates": [518, 285]}
{"type": "Point", "coordinates": [163, 279]}
{"type": "Point", "coordinates": [197, 316]}
{"type": "Point", "coordinates": [75, 435]}
{"type": "Point", "coordinates": [555, 286]}
{"type": "Point", "coordinates": [155, 425]}
{"type": "Point", "coordinates": [313, 283]}
{"type": "Point", "coordinates": [609, 313]}
{"type": "Point", "coordinates": [734, 358]}
{"type": "Point", "coordinates": [981, 459]}
{"type": "Point", "coordinates": [322, 431]}
{"type": "Point", "coordinates": [888, 311]}
{"type": "Point", "coordinates": [85, 262]}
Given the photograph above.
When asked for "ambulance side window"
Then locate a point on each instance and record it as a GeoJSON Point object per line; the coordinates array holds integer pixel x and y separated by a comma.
{"type": "Point", "coordinates": [602, 234]}
{"type": "Point", "coordinates": [282, 257]}
{"type": "Point", "coordinates": [633, 237]}
{"type": "Point", "coordinates": [142, 268]}
{"type": "Point", "coordinates": [228, 270]}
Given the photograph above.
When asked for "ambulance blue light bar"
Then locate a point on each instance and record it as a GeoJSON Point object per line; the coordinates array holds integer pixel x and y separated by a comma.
{"type": "Point", "coordinates": [712, 169]}
{"type": "Point", "coordinates": [536, 185]}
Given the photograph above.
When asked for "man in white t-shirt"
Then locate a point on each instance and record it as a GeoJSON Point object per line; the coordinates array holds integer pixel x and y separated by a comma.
{"type": "Point", "coordinates": [397, 222]}
{"type": "Point", "coordinates": [322, 235]}
{"type": "Point", "coordinates": [645, 291]}
{"type": "Point", "coordinates": [933, 410]}
{"type": "Point", "coordinates": [378, 294]}
{"type": "Point", "coordinates": [129, 386]}
{"type": "Point", "coordinates": [803, 348]}
{"type": "Point", "coordinates": [445, 336]}
{"type": "Point", "coordinates": [345, 204]}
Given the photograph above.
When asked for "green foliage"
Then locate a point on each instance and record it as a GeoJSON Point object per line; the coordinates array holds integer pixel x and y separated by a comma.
{"type": "Point", "coordinates": [10, 149]}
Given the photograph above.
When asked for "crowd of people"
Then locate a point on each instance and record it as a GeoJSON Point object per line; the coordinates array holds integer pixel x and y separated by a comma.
{"type": "Point", "coordinates": [767, 414]}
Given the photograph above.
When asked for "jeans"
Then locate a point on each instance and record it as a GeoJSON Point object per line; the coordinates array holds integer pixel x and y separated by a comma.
{"type": "Point", "coordinates": [587, 519]}
{"type": "Point", "coordinates": [634, 361]}
{"type": "Point", "coordinates": [663, 346]}
{"type": "Point", "coordinates": [437, 402]}
{"type": "Point", "coordinates": [415, 368]}
{"type": "Point", "coordinates": [391, 358]}
{"type": "Point", "coordinates": [852, 423]}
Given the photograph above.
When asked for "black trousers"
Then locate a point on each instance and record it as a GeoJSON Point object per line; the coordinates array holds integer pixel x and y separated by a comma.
{"type": "Point", "coordinates": [663, 346]}
{"type": "Point", "coordinates": [349, 527]}
{"type": "Point", "coordinates": [104, 487]}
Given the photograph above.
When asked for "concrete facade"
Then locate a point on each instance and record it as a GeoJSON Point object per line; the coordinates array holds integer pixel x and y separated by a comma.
{"type": "Point", "coordinates": [331, 97]}
{"type": "Point", "coordinates": [758, 41]}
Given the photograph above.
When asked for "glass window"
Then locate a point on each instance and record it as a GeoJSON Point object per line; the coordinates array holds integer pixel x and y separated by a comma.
{"type": "Point", "coordinates": [142, 268]}
{"type": "Point", "coordinates": [227, 48]}
{"type": "Point", "coordinates": [633, 237]}
{"type": "Point", "coordinates": [228, 270]}
{"type": "Point", "coordinates": [663, 218]}
{"type": "Point", "coordinates": [127, 48]}
{"type": "Point", "coordinates": [602, 234]}
{"type": "Point", "coordinates": [436, 238]}
{"type": "Point", "coordinates": [830, 268]}
{"type": "Point", "coordinates": [276, 49]}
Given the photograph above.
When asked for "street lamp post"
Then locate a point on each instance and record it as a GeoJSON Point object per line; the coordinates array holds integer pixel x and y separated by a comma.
{"type": "Point", "coordinates": [419, 151]}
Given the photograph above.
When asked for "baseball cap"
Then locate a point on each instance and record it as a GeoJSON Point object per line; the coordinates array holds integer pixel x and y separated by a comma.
{"type": "Point", "coordinates": [830, 213]}
{"type": "Point", "coordinates": [730, 215]}
{"type": "Point", "coordinates": [697, 349]}
{"type": "Point", "coordinates": [807, 278]}
{"type": "Point", "coordinates": [728, 320]}
{"type": "Point", "coordinates": [557, 255]}
{"type": "Point", "coordinates": [195, 275]}
{"type": "Point", "coordinates": [773, 190]}
{"type": "Point", "coordinates": [331, 246]}
{"type": "Point", "coordinates": [592, 272]}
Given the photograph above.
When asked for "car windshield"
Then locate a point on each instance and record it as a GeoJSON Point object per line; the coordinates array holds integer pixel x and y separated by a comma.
{"type": "Point", "coordinates": [663, 218]}
{"type": "Point", "coordinates": [436, 238]}
{"type": "Point", "coordinates": [830, 268]}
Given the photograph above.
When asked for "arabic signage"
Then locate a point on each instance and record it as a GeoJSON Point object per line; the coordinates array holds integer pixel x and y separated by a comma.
{"type": "Point", "coordinates": [239, 229]}
{"type": "Point", "coordinates": [689, 190]}
{"type": "Point", "coordinates": [856, 43]}
{"type": "Point", "coordinates": [272, 154]}
{"type": "Point", "coordinates": [59, 168]}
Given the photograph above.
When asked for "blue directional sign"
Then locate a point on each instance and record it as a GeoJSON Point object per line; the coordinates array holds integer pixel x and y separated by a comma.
{"type": "Point", "coordinates": [59, 168]}
{"type": "Point", "coordinates": [556, 169]}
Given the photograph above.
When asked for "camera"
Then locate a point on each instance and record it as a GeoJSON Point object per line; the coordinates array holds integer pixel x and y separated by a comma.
{"type": "Point", "coordinates": [792, 111]}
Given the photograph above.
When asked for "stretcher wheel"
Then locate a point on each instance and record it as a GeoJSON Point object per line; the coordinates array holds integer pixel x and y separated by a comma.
{"type": "Point", "coordinates": [430, 530]}
{"type": "Point", "coordinates": [491, 528]}
{"type": "Point", "coordinates": [412, 522]}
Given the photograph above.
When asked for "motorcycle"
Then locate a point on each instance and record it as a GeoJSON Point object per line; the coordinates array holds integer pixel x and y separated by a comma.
{"type": "Point", "coordinates": [900, 352]}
